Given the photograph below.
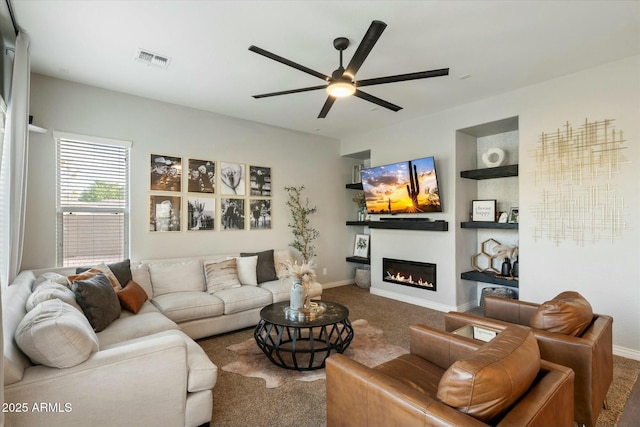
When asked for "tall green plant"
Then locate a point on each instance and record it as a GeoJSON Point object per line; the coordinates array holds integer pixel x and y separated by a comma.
{"type": "Point", "coordinates": [303, 233]}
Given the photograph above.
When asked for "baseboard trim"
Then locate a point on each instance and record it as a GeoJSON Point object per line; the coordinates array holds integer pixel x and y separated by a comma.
{"type": "Point", "coordinates": [629, 353]}
{"type": "Point", "coordinates": [338, 283]}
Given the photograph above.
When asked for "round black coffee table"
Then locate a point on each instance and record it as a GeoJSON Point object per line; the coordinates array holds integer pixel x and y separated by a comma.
{"type": "Point", "coordinates": [303, 343]}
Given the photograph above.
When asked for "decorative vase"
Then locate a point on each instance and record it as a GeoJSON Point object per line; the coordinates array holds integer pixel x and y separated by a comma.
{"type": "Point", "coordinates": [298, 294]}
{"type": "Point", "coordinates": [506, 267]}
{"type": "Point", "coordinates": [515, 270]}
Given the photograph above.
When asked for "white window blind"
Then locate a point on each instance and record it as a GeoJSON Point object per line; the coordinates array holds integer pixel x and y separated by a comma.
{"type": "Point", "coordinates": [93, 200]}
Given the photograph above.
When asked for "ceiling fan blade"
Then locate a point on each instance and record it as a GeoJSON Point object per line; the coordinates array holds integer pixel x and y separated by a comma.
{"type": "Point", "coordinates": [287, 92]}
{"type": "Point", "coordinates": [368, 41]}
{"type": "Point", "coordinates": [284, 61]}
{"type": "Point", "coordinates": [381, 102]}
{"type": "Point", "coordinates": [403, 77]}
{"type": "Point", "coordinates": [326, 107]}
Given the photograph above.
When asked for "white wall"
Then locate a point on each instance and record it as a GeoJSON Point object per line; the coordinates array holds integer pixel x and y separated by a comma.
{"type": "Point", "coordinates": [156, 127]}
{"type": "Point", "coordinates": [606, 272]}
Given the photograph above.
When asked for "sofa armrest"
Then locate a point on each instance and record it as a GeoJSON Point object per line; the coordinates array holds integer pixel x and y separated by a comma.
{"type": "Point", "coordinates": [509, 310]}
{"type": "Point", "coordinates": [440, 347]}
{"type": "Point", "coordinates": [361, 396]}
{"type": "Point", "coordinates": [148, 380]}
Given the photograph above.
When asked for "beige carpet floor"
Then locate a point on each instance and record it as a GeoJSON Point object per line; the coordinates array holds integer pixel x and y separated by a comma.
{"type": "Point", "coordinates": [247, 401]}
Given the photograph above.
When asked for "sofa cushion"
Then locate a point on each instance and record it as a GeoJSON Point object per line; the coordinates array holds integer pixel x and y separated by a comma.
{"type": "Point", "coordinates": [221, 275]}
{"type": "Point", "coordinates": [132, 297]}
{"type": "Point", "coordinates": [122, 271]}
{"type": "Point", "coordinates": [102, 268]}
{"type": "Point", "coordinates": [130, 326]}
{"type": "Point", "coordinates": [98, 300]}
{"type": "Point", "coordinates": [140, 275]}
{"type": "Point", "coordinates": [244, 298]}
{"type": "Point", "coordinates": [51, 290]}
{"type": "Point", "coordinates": [247, 267]}
{"type": "Point", "coordinates": [56, 334]}
{"type": "Point", "coordinates": [169, 277]}
{"type": "Point", "coordinates": [486, 384]}
{"type": "Point", "coordinates": [50, 276]}
{"type": "Point", "coordinates": [183, 306]}
{"type": "Point", "coordinates": [568, 313]}
{"type": "Point", "coordinates": [265, 269]}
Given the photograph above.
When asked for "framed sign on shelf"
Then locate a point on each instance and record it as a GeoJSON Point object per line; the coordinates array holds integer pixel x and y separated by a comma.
{"type": "Point", "coordinates": [483, 210]}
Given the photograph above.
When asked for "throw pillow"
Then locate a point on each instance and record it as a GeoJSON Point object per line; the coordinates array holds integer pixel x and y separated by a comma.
{"type": "Point", "coordinates": [221, 275]}
{"type": "Point", "coordinates": [98, 300]}
{"type": "Point", "coordinates": [140, 275]}
{"type": "Point", "coordinates": [568, 313]}
{"type": "Point", "coordinates": [486, 384]}
{"type": "Point", "coordinates": [56, 334]}
{"type": "Point", "coordinates": [266, 270]}
{"type": "Point", "coordinates": [101, 268]}
{"type": "Point", "coordinates": [51, 290]}
{"type": "Point", "coordinates": [247, 270]}
{"type": "Point", "coordinates": [132, 297]}
{"type": "Point", "coordinates": [122, 271]}
{"type": "Point", "coordinates": [169, 277]}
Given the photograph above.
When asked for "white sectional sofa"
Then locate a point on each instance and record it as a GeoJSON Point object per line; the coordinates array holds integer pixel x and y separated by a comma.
{"type": "Point", "coordinates": [142, 369]}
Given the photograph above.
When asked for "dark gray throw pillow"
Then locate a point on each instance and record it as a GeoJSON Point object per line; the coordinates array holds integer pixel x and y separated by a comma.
{"type": "Point", "coordinates": [122, 271]}
{"type": "Point", "coordinates": [98, 300]}
{"type": "Point", "coordinates": [266, 268]}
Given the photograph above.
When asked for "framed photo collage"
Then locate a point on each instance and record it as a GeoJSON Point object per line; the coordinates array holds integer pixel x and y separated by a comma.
{"type": "Point", "coordinates": [207, 195]}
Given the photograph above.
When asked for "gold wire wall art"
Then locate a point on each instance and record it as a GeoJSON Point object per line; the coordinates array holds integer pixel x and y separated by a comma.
{"type": "Point", "coordinates": [575, 168]}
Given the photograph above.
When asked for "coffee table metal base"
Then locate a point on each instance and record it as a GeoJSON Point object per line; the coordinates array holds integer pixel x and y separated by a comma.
{"type": "Point", "coordinates": [302, 348]}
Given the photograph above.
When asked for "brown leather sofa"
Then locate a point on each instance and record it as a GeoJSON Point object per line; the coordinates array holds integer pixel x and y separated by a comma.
{"type": "Point", "coordinates": [451, 380]}
{"type": "Point", "coordinates": [589, 354]}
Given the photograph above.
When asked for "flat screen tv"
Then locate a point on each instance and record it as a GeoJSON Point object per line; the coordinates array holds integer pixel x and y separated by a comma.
{"type": "Point", "coordinates": [404, 187]}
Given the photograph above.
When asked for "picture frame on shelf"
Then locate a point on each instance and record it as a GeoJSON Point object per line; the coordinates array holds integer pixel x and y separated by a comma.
{"type": "Point", "coordinates": [483, 210]}
{"type": "Point", "coordinates": [165, 212]}
{"type": "Point", "coordinates": [514, 215]}
{"type": "Point", "coordinates": [201, 213]}
{"type": "Point", "coordinates": [165, 173]}
{"type": "Point", "coordinates": [361, 246]}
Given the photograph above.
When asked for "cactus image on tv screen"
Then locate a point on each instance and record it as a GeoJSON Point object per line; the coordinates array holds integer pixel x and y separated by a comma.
{"type": "Point", "coordinates": [404, 187]}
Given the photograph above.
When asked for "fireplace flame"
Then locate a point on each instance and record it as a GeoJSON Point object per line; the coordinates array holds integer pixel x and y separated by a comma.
{"type": "Point", "coordinates": [399, 277]}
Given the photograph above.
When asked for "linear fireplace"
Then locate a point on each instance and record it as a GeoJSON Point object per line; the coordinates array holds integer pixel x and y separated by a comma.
{"type": "Point", "coordinates": [409, 273]}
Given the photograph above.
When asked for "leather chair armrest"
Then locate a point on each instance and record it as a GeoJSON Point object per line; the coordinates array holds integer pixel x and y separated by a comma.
{"type": "Point", "coordinates": [440, 347]}
{"type": "Point", "coordinates": [361, 396]}
{"type": "Point", "coordinates": [552, 389]}
{"type": "Point", "coordinates": [454, 320]}
{"type": "Point", "coordinates": [509, 310]}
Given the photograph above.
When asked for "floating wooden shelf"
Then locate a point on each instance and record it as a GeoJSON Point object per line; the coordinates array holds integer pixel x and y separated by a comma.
{"type": "Point", "coordinates": [489, 173]}
{"type": "Point", "coordinates": [411, 225]}
{"type": "Point", "coordinates": [365, 223]}
{"type": "Point", "coordinates": [359, 260]}
{"type": "Point", "coordinates": [494, 225]}
{"type": "Point", "coordinates": [355, 186]}
{"type": "Point", "coordinates": [489, 277]}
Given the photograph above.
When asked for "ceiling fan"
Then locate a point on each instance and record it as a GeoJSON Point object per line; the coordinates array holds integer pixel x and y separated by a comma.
{"type": "Point", "coordinates": [342, 81]}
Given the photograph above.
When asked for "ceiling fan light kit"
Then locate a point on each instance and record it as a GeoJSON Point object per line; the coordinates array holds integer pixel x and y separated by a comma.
{"type": "Point", "coordinates": [342, 81]}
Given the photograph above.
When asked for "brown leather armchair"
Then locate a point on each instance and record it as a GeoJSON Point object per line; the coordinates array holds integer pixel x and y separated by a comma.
{"type": "Point", "coordinates": [590, 354]}
{"type": "Point", "coordinates": [451, 380]}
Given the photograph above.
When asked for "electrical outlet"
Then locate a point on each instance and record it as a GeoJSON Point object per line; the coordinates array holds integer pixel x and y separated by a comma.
{"type": "Point", "coordinates": [324, 271]}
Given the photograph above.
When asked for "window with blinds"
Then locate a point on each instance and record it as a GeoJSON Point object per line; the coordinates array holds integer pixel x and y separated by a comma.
{"type": "Point", "coordinates": [92, 200]}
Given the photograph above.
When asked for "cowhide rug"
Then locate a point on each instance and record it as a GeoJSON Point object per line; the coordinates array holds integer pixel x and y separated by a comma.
{"type": "Point", "coordinates": [367, 347]}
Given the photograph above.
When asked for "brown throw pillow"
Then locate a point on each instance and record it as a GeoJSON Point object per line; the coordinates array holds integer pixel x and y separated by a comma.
{"type": "Point", "coordinates": [132, 297]}
{"type": "Point", "coordinates": [266, 268]}
{"type": "Point", "coordinates": [568, 313]}
{"type": "Point", "coordinates": [486, 384]}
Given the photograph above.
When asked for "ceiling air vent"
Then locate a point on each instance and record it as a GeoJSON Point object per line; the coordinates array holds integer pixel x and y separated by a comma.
{"type": "Point", "coordinates": [153, 59]}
